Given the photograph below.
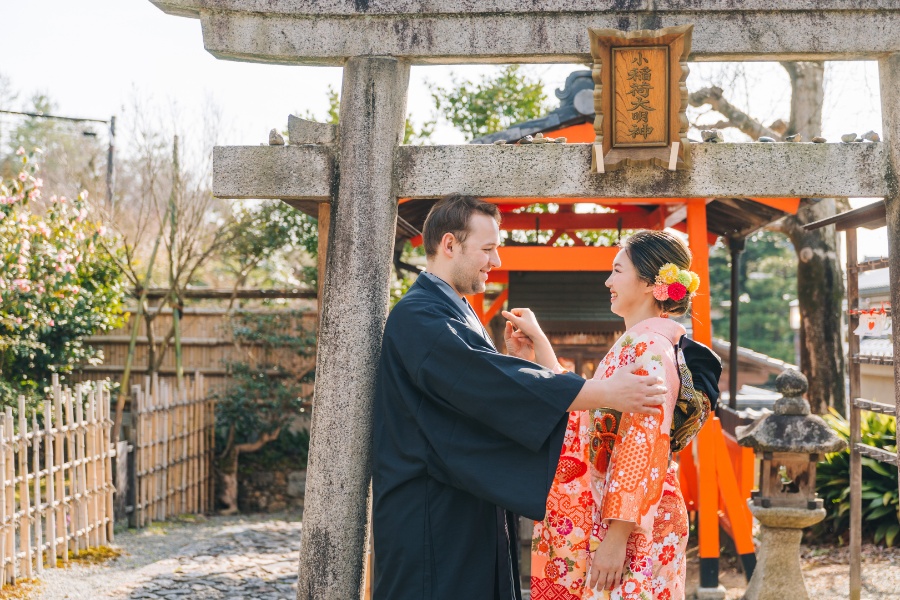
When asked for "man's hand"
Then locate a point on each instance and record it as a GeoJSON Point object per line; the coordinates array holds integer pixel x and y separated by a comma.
{"type": "Point", "coordinates": [632, 393]}
{"type": "Point", "coordinates": [525, 322]}
{"type": "Point", "coordinates": [518, 344]}
{"type": "Point", "coordinates": [608, 563]}
{"type": "Point", "coordinates": [624, 392]}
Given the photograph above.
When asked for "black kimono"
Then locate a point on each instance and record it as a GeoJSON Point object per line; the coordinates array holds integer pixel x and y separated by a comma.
{"type": "Point", "coordinates": [463, 438]}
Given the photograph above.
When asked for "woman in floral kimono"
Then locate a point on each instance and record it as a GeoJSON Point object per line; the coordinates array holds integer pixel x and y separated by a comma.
{"type": "Point", "coordinates": [616, 525]}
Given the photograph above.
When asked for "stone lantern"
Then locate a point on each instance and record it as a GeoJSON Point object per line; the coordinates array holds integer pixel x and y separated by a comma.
{"type": "Point", "coordinates": [790, 442]}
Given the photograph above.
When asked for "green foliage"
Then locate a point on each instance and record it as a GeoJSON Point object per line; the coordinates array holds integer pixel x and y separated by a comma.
{"type": "Point", "coordinates": [58, 285]}
{"type": "Point", "coordinates": [263, 395]}
{"type": "Point", "coordinates": [493, 104]}
{"type": "Point", "coordinates": [879, 483]}
{"type": "Point", "coordinates": [768, 282]}
{"type": "Point", "coordinates": [410, 134]}
{"type": "Point", "coordinates": [268, 237]}
{"type": "Point", "coordinates": [288, 449]}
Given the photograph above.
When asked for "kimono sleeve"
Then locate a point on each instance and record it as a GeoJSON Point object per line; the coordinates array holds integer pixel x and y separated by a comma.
{"type": "Point", "coordinates": [518, 399]}
{"type": "Point", "coordinates": [639, 461]}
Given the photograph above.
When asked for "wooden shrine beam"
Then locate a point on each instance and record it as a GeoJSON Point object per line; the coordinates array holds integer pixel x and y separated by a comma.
{"type": "Point", "coordinates": [545, 258]}
{"type": "Point", "coordinates": [552, 31]}
{"type": "Point", "coordinates": [576, 221]}
{"type": "Point", "coordinates": [563, 171]}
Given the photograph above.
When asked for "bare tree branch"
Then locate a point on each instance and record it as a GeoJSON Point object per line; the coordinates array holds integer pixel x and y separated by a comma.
{"type": "Point", "coordinates": [736, 117]}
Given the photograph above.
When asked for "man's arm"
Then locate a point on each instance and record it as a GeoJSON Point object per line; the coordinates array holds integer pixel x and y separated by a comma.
{"type": "Point", "coordinates": [624, 392]}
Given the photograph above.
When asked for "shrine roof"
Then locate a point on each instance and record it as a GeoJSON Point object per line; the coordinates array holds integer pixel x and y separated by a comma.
{"type": "Point", "coordinates": [729, 217]}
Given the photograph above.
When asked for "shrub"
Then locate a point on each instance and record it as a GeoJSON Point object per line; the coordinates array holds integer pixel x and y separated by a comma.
{"type": "Point", "coordinates": [879, 483]}
{"type": "Point", "coordinates": [58, 284]}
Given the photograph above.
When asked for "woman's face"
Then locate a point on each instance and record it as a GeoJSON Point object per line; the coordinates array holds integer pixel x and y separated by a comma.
{"type": "Point", "coordinates": [629, 293]}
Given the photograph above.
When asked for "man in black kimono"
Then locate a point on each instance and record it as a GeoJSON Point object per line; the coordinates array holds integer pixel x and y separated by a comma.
{"type": "Point", "coordinates": [464, 436]}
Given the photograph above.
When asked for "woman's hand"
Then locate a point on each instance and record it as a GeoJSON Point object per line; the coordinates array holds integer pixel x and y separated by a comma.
{"type": "Point", "coordinates": [608, 564]}
{"type": "Point", "coordinates": [518, 344]}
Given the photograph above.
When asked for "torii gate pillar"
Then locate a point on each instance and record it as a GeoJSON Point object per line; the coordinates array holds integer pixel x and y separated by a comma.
{"type": "Point", "coordinates": [355, 306]}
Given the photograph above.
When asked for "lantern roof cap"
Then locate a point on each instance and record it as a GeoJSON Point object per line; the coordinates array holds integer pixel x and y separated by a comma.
{"type": "Point", "coordinates": [791, 428]}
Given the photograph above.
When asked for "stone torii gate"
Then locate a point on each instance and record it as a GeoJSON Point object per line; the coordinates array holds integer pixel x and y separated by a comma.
{"type": "Point", "coordinates": [376, 41]}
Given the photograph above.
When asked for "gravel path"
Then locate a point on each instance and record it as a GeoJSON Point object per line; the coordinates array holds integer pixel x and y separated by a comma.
{"type": "Point", "coordinates": [227, 558]}
{"type": "Point", "coordinates": [826, 572]}
{"type": "Point", "coordinates": [255, 557]}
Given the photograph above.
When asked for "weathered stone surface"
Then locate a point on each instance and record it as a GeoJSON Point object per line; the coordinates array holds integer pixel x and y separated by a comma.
{"type": "Point", "coordinates": [777, 575]}
{"type": "Point", "coordinates": [355, 306]}
{"type": "Point", "coordinates": [563, 170]}
{"type": "Point", "coordinates": [791, 428]}
{"type": "Point", "coordinates": [871, 136]}
{"type": "Point", "coordinates": [712, 135]}
{"type": "Point", "coordinates": [400, 7]}
{"type": "Point", "coordinates": [329, 32]}
{"type": "Point", "coordinates": [288, 172]}
{"type": "Point", "coordinates": [303, 131]}
{"type": "Point", "coordinates": [791, 382]}
{"type": "Point", "coordinates": [275, 138]}
{"type": "Point", "coordinates": [718, 171]}
{"type": "Point", "coordinates": [296, 485]}
{"type": "Point", "coordinates": [241, 561]}
{"type": "Point", "coordinates": [889, 74]}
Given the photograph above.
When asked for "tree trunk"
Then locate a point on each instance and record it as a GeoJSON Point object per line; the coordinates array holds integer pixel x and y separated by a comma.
{"type": "Point", "coordinates": [820, 285]}
{"type": "Point", "coordinates": [820, 290]}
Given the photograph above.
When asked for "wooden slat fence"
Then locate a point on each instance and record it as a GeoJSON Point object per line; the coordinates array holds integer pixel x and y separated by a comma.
{"type": "Point", "coordinates": [57, 491]}
{"type": "Point", "coordinates": [173, 445]}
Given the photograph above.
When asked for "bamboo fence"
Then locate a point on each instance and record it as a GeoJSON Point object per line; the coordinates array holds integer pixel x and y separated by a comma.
{"type": "Point", "coordinates": [173, 446]}
{"type": "Point", "coordinates": [207, 346]}
{"type": "Point", "coordinates": [57, 491]}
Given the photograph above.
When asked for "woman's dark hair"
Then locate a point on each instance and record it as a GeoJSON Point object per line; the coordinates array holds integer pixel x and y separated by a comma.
{"type": "Point", "coordinates": [649, 250]}
{"type": "Point", "coordinates": [451, 214]}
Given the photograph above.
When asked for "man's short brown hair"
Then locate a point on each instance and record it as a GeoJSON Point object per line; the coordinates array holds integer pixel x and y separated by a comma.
{"type": "Point", "coordinates": [451, 214]}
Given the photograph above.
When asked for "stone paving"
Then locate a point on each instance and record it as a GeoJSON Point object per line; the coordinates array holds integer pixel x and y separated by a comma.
{"type": "Point", "coordinates": [256, 561]}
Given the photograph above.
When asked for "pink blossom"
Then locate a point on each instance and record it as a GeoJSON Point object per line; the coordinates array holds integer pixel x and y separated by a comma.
{"type": "Point", "coordinates": [101, 230]}
{"type": "Point", "coordinates": [38, 182]}
{"type": "Point", "coordinates": [20, 151]}
{"type": "Point", "coordinates": [81, 215]}
{"type": "Point", "coordinates": [23, 284]}
{"type": "Point", "coordinates": [23, 176]}
{"type": "Point", "coordinates": [661, 292]}
{"type": "Point", "coordinates": [51, 323]}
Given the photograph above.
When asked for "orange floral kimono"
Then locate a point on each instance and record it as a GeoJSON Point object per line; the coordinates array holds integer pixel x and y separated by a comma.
{"type": "Point", "coordinates": [616, 466]}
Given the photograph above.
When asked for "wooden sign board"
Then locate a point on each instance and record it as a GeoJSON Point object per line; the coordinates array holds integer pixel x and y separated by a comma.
{"type": "Point", "coordinates": [640, 97]}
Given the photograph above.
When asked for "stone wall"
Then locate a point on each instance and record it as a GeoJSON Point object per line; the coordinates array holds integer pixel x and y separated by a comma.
{"type": "Point", "coordinates": [271, 488]}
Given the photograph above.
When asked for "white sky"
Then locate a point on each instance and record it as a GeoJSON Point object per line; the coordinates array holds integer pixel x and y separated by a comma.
{"type": "Point", "coordinates": [95, 57]}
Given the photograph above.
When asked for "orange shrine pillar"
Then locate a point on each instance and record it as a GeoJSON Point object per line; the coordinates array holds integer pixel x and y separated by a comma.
{"type": "Point", "coordinates": [716, 475]}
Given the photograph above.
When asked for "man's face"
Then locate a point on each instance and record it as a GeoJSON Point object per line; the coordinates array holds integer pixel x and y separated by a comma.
{"type": "Point", "coordinates": [476, 256]}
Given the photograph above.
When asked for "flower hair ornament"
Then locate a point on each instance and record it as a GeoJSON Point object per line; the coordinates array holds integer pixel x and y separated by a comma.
{"type": "Point", "coordinates": [673, 283]}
